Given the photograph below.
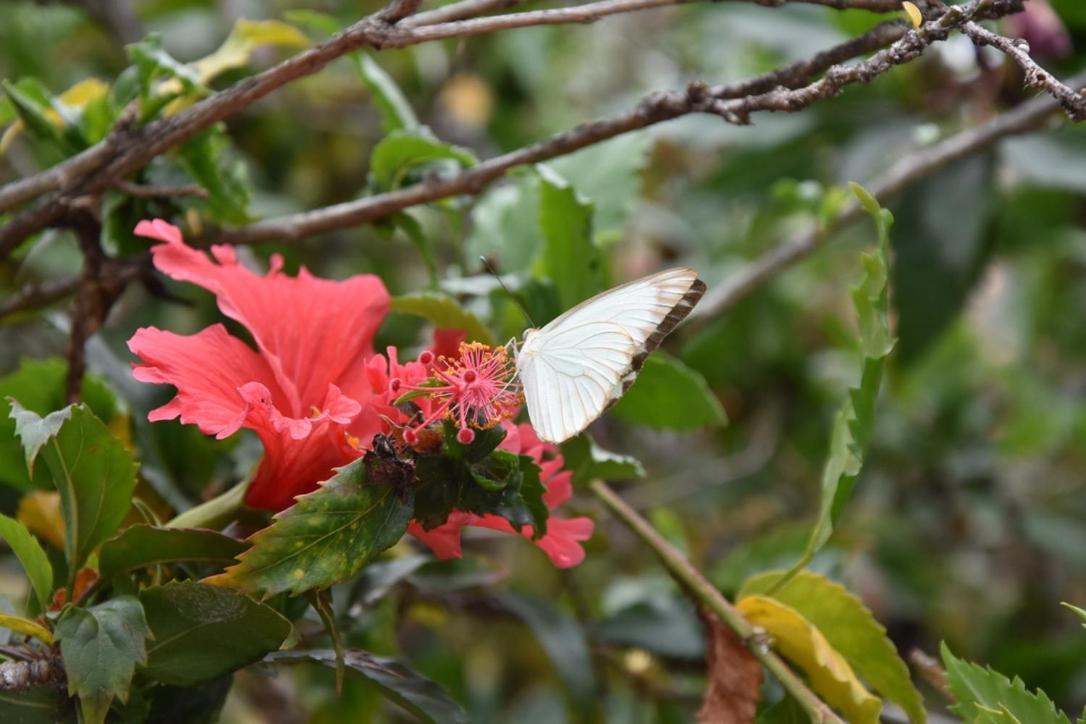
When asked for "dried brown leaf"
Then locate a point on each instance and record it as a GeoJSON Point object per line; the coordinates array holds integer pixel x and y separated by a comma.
{"type": "Point", "coordinates": [734, 681]}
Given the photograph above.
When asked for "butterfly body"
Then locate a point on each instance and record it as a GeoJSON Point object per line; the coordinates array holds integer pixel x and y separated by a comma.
{"type": "Point", "coordinates": [578, 365]}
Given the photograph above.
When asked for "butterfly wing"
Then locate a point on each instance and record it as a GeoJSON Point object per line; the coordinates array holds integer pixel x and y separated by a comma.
{"type": "Point", "coordinates": [582, 362]}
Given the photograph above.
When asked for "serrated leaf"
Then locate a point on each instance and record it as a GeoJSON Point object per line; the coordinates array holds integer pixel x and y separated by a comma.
{"type": "Point", "coordinates": [978, 688]}
{"type": "Point", "coordinates": [325, 537]}
{"type": "Point", "coordinates": [32, 557]}
{"type": "Point", "coordinates": [442, 311]}
{"type": "Point", "coordinates": [79, 96]}
{"type": "Point", "coordinates": [418, 695]}
{"type": "Point", "coordinates": [396, 113]}
{"type": "Point", "coordinates": [139, 546]}
{"type": "Point", "coordinates": [571, 259]}
{"type": "Point", "coordinates": [39, 385]}
{"type": "Point", "coordinates": [398, 153]}
{"type": "Point", "coordinates": [101, 647]}
{"type": "Point", "coordinates": [245, 37]}
{"type": "Point", "coordinates": [25, 626]}
{"type": "Point", "coordinates": [201, 632]}
{"type": "Point", "coordinates": [93, 471]}
{"type": "Point", "coordinates": [588, 461]}
{"type": "Point", "coordinates": [850, 628]}
{"type": "Point", "coordinates": [855, 420]}
{"type": "Point", "coordinates": [669, 395]}
{"type": "Point", "coordinates": [828, 672]}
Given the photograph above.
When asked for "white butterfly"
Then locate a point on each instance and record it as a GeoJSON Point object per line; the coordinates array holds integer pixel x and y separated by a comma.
{"type": "Point", "coordinates": [582, 362]}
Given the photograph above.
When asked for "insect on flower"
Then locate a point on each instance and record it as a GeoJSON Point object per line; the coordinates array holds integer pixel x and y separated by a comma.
{"type": "Point", "coordinates": [477, 389]}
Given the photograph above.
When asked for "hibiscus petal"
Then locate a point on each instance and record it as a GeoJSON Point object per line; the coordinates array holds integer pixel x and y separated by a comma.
{"type": "Point", "coordinates": [312, 331]}
{"type": "Point", "coordinates": [207, 369]}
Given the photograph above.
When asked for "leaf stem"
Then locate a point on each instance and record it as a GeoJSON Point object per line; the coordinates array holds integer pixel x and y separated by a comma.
{"type": "Point", "coordinates": [213, 513]}
{"type": "Point", "coordinates": [698, 586]}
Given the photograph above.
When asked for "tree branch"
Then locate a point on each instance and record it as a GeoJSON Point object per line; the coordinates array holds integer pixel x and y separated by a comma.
{"type": "Point", "coordinates": [1073, 102]}
{"type": "Point", "coordinates": [707, 595]}
{"type": "Point", "coordinates": [727, 101]}
{"type": "Point", "coordinates": [918, 165]}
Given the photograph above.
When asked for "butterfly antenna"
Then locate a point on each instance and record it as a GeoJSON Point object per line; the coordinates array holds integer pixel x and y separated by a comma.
{"type": "Point", "coordinates": [494, 272]}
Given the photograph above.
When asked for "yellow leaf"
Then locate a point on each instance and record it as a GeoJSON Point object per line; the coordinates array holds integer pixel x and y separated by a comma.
{"type": "Point", "coordinates": [914, 13]}
{"type": "Point", "coordinates": [78, 96]}
{"type": "Point", "coordinates": [26, 627]}
{"type": "Point", "coordinates": [246, 37]}
{"type": "Point", "coordinates": [39, 511]}
{"type": "Point", "coordinates": [799, 641]}
{"type": "Point", "coordinates": [83, 92]}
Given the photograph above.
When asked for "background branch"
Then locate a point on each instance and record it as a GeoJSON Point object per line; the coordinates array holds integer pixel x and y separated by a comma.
{"type": "Point", "coordinates": [727, 101]}
{"type": "Point", "coordinates": [920, 164]}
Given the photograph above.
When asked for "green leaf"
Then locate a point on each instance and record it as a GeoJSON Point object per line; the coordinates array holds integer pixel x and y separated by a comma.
{"type": "Point", "coordinates": [669, 395]}
{"type": "Point", "coordinates": [978, 689]}
{"type": "Point", "coordinates": [37, 705]}
{"type": "Point", "coordinates": [401, 151]}
{"type": "Point", "coordinates": [505, 225]}
{"type": "Point", "coordinates": [441, 311]}
{"type": "Point", "coordinates": [416, 694]}
{"type": "Point", "coordinates": [201, 632]}
{"type": "Point", "coordinates": [212, 161]}
{"type": "Point", "coordinates": [93, 471]}
{"type": "Point", "coordinates": [588, 462]}
{"type": "Point", "coordinates": [571, 258]}
{"type": "Point", "coordinates": [396, 113]}
{"type": "Point", "coordinates": [32, 557]}
{"type": "Point", "coordinates": [139, 546]}
{"type": "Point", "coordinates": [412, 229]}
{"type": "Point", "coordinates": [502, 484]}
{"type": "Point", "coordinates": [940, 243]}
{"type": "Point", "coordinates": [38, 111]}
{"type": "Point", "coordinates": [855, 420]}
{"type": "Point", "coordinates": [101, 647]}
{"type": "Point", "coordinates": [154, 62]}
{"type": "Point", "coordinates": [560, 636]}
{"type": "Point", "coordinates": [1080, 612]}
{"type": "Point", "coordinates": [850, 628]}
{"type": "Point", "coordinates": [39, 385]}
{"type": "Point", "coordinates": [609, 175]}
{"type": "Point", "coordinates": [325, 537]}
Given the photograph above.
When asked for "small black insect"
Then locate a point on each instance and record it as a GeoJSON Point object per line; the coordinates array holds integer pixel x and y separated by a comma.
{"type": "Point", "coordinates": [384, 466]}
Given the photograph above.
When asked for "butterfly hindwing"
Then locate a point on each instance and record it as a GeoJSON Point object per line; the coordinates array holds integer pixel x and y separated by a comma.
{"type": "Point", "coordinates": [582, 362]}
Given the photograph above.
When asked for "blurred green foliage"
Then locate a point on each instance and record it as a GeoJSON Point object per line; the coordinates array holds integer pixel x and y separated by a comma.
{"type": "Point", "coordinates": [967, 522]}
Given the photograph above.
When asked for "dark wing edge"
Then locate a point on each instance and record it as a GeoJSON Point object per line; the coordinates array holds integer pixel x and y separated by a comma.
{"type": "Point", "coordinates": [677, 314]}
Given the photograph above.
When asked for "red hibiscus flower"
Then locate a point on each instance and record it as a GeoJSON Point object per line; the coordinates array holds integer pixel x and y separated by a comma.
{"type": "Point", "coordinates": [305, 390]}
{"type": "Point", "coordinates": [562, 543]}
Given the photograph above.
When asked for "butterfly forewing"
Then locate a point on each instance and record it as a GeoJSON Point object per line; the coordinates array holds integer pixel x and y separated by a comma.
{"type": "Point", "coordinates": [581, 362]}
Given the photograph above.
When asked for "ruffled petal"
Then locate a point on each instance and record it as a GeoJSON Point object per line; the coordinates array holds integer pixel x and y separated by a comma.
{"type": "Point", "coordinates": [312, 331]}
{"type": "Point", "coordinates": [207, 369]}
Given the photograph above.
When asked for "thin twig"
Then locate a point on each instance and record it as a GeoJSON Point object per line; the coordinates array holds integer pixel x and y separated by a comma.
{"type": "Point", "coordinates": [1073, 102]}
{"type": "Point", "coordinates": [148, 191]}
{"type": "Point", "coordinates": [121, 153]}
{"type": "Point", "coordinates": [654, 108]}
{"type": "Point", "coordinates": [37, 295]}
{"type": "Point", "coordinates": [708, 595]}
{"type": "Point", "coordinates": [917, 165]}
